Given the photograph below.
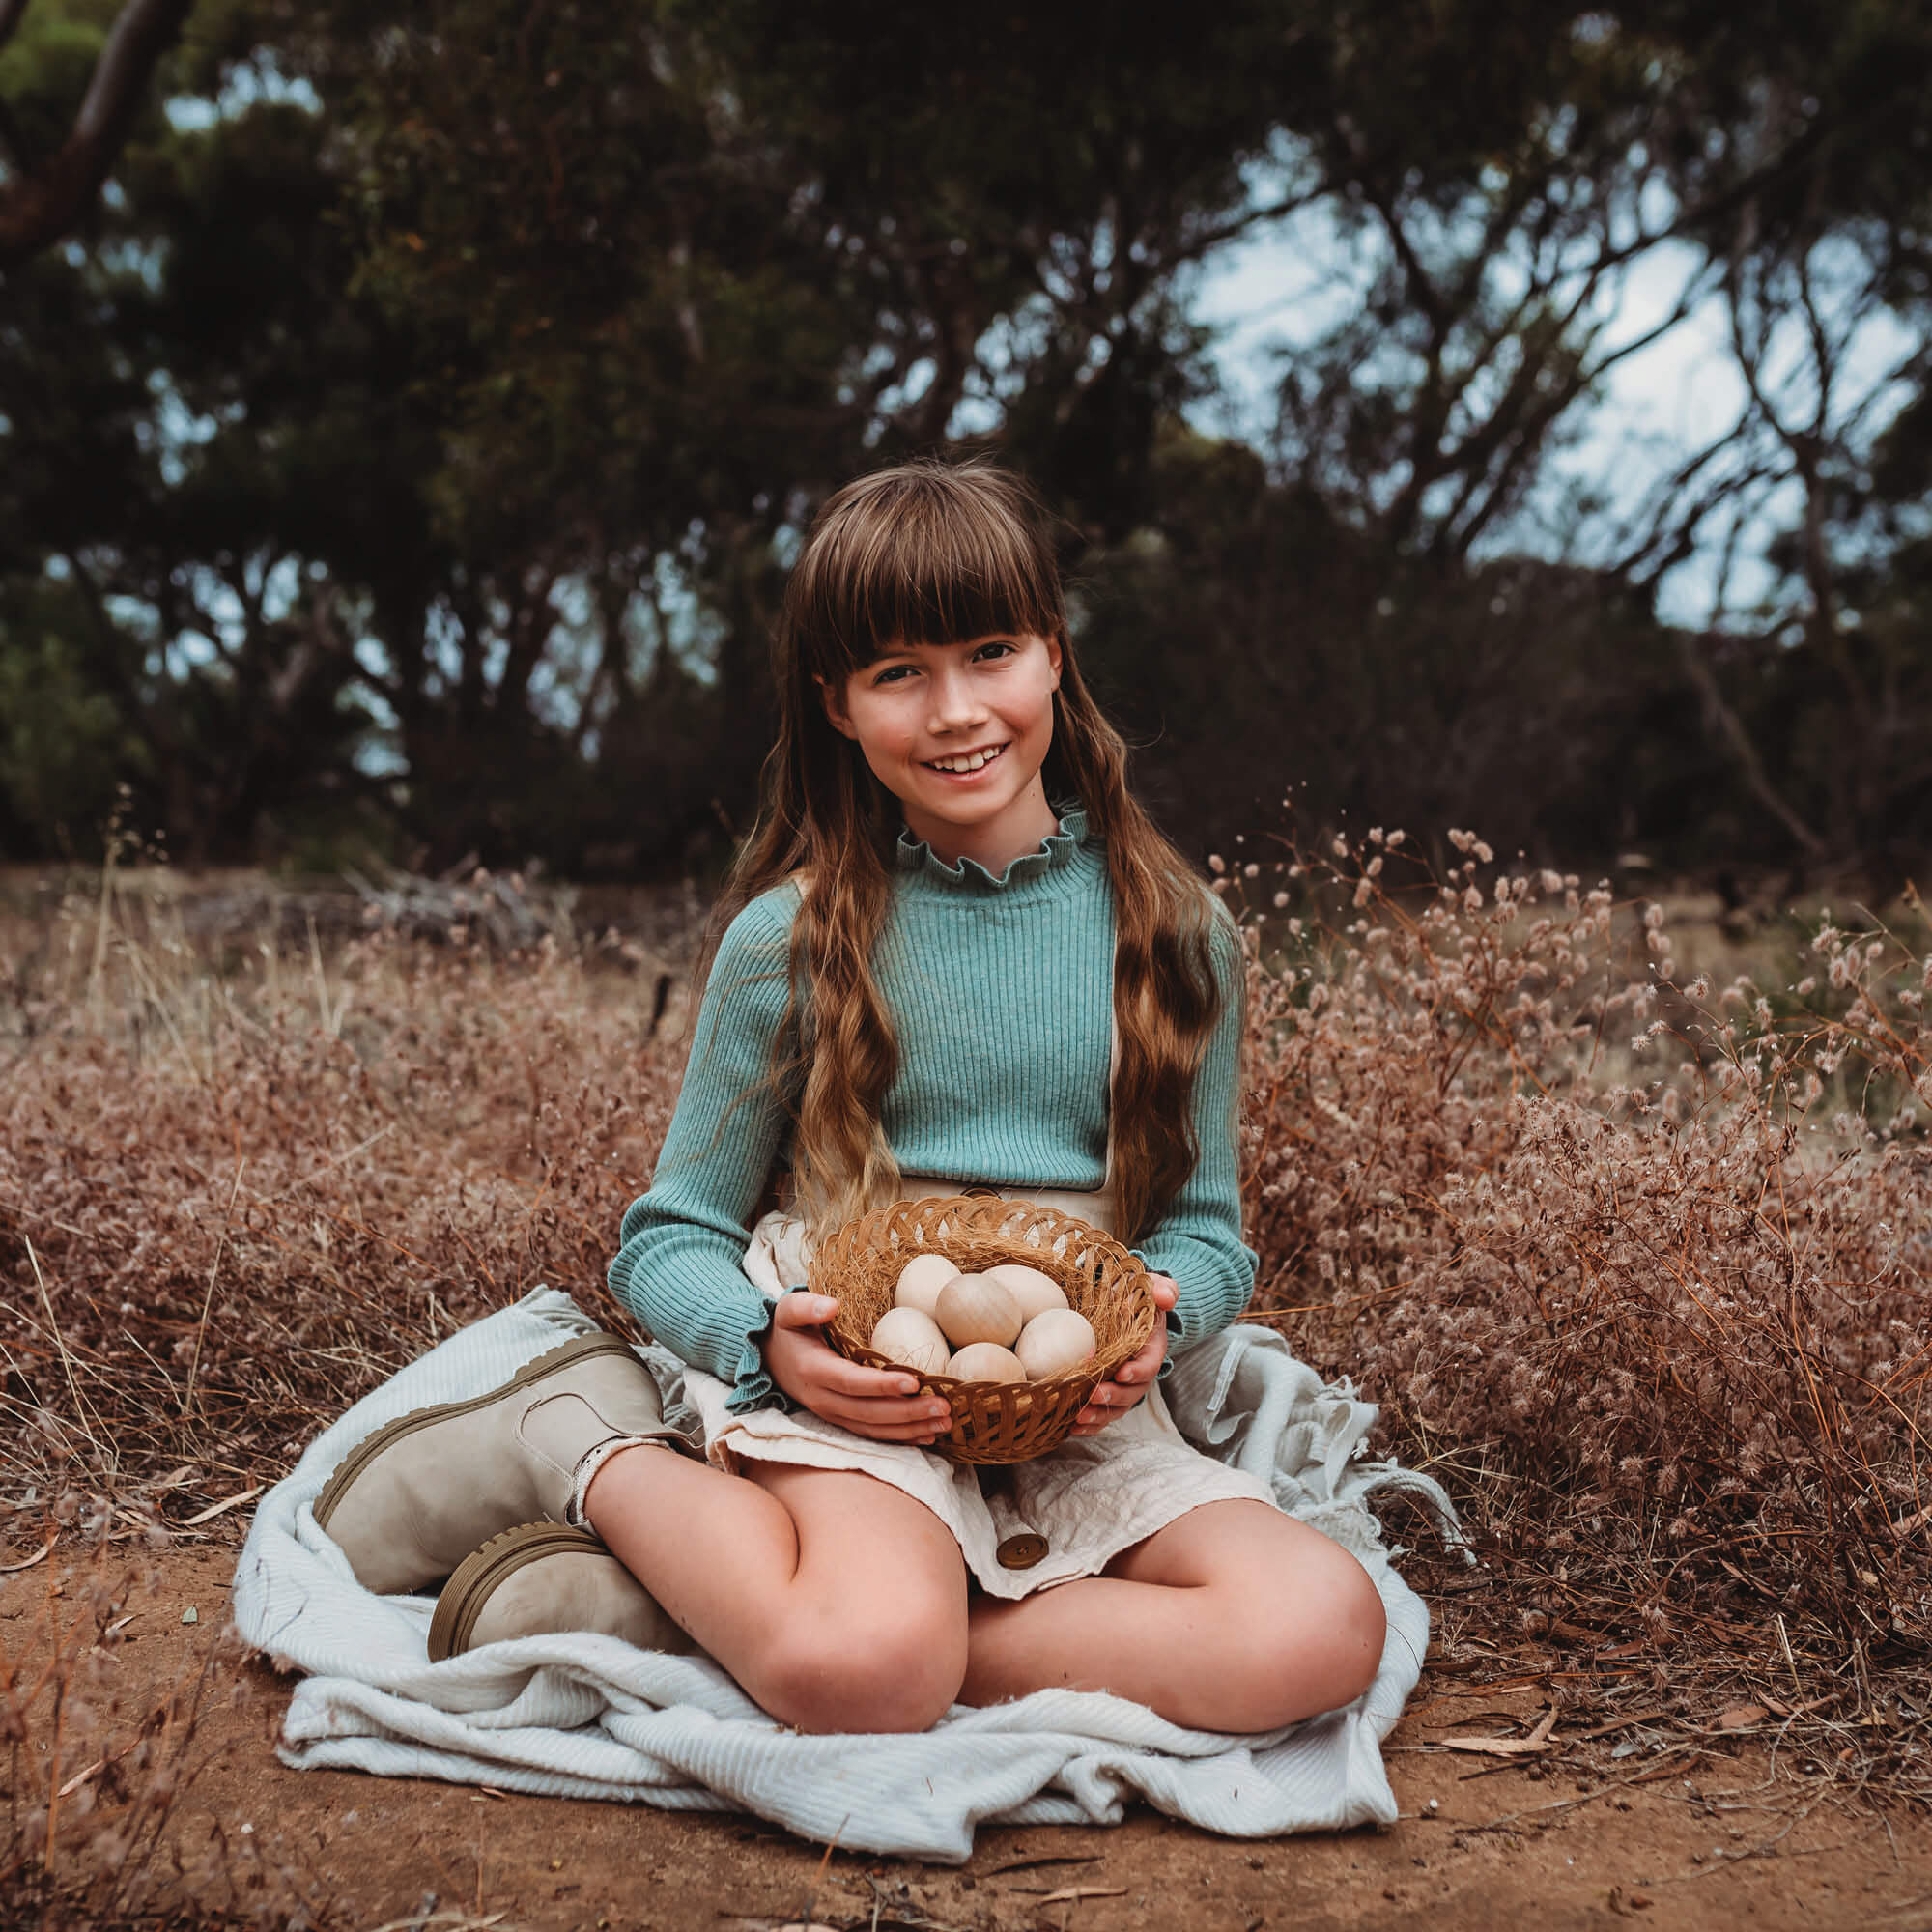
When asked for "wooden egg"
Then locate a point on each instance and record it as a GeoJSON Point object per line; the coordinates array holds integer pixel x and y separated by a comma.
{"type": "Point", "coordinates": [912, 1340]}
{"type": "Point", "coordinates": [973, 1309]}
{"type": "Point", "coordinates": [1035, 1292]}
{"type": "Point", "coordinates": [1054, 1343]}
{"type": "Point", "coordinates": [986, 1362]}
{"type": "Point", "coordinates": [921, 1279]}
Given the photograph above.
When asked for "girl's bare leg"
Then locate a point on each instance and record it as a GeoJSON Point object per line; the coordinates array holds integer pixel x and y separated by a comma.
{"type": "Point", "coordinates": [837, 1601]}
{"type": "Point", "coordinates": [1235, 1617]}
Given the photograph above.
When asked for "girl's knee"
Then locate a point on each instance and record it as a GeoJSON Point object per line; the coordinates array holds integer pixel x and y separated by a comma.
{"type": "Point", "coordinates": [1310, 1639]}
{"type": "Point", "coordinates": [1332, 1654]}
{"type": "Point", "coordinates": [898, 1670]}
{"type": "Point", "coordinates": [1359, 1633]}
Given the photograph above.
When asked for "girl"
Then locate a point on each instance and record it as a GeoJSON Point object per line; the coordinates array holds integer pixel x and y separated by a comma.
{"type": "Point", "coordinates": [961, 958]}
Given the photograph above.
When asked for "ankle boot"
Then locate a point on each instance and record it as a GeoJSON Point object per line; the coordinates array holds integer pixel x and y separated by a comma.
{"type": "Point", "coordinates": [410, 1503]}
{"type": "Point", "coordinates": [542, 1577]}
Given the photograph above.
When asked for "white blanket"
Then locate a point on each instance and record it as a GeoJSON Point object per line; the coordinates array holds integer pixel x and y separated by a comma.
{"type": "Point", "coordinates": [588, 1717]}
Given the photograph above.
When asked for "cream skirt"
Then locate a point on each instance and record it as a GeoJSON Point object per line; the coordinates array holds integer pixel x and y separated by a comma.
{"type": "Point", "coordinates": [1021, 1527]}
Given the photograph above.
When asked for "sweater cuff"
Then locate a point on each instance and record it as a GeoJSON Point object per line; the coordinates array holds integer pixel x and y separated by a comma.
{"type": "Point", "coordinates": [1176, 1337]}
{"type": "Point", "coordinates": [752, 1388]}
{"type": "Point", "coordinates": [1212, 1288]}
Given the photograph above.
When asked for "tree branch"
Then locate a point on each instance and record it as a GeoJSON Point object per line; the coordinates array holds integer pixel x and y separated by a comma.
{"type": "Point", "coordinates": [42, 205]}
{"type": "Point", "coordinates": [1198, 240]}
{"type": "Point", "coordinates": [1729, 726]}
{"type": "Point", "coordinates": [1520, 424]}
{"type": "Point", "coordinates": [1672, 523]}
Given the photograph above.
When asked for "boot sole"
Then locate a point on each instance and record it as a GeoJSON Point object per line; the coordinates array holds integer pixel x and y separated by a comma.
{"type": "Point", "coordinates": [535, 1369]}
{"type": "Point", "coordinates": [480, 1574]}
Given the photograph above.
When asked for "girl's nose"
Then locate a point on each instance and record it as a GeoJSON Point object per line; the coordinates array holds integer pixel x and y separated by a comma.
{"type": "Point", "coordinates": [955, 700]}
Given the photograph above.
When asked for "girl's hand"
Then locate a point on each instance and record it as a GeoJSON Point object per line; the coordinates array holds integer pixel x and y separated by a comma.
{"type": "Point", "coordinates": [884, 1404]}
{"type": "Point", "coordinates": [1132, 1379]}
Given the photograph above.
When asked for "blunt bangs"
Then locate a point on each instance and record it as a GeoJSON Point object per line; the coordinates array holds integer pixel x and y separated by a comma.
{"type": "Point", "coordinates": [924, 553]}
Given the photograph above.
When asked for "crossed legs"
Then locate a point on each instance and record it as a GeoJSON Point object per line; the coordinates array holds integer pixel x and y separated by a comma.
{"type": "Point", "coordinates": [840, 1604]}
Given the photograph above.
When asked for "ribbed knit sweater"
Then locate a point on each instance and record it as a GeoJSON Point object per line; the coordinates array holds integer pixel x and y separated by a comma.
{"type": "Point", "coordinates": [1000, 991]}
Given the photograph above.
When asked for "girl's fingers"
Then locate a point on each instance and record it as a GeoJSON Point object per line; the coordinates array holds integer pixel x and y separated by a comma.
{"type": "Point", "coordinates": [1143, 1367]}
{"type": "Point", "coordinates": [868, 1415]}
{"type": "Point", "coordinates": [886, 1421]}
{"type": "Point", "coordinates": [839, 1376]}
{"type": "Point", "coordinates": [803, 1310]}
{"type": "Point", "coordinates": [923, 1435]}
{"type": "Point", "coordinates": [1107, 1402]}
{"type": "Point", "coordinates": [894, 1405]}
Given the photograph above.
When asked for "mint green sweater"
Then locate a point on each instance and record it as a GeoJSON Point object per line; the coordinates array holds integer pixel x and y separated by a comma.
{"type": "Point", "coordinates": [1000, 992]}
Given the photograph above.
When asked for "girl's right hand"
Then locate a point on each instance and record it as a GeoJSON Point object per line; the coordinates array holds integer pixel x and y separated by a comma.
{"type": "Point", "coordinates": [884, 1404]}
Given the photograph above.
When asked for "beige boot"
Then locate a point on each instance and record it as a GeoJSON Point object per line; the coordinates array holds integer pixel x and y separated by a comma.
{"type": "Point", "coordinates": [411, 1503]}
{"type": "Point", "coordinates": [542, 1577]}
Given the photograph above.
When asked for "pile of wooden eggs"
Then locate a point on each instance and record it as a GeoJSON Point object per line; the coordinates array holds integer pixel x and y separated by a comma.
{"type": "Point", "coordinates": [1009, 1325]}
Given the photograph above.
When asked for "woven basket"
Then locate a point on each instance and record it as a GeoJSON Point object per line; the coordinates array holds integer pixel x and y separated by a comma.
{"type": "Point", "coordinates": [992, 1422]}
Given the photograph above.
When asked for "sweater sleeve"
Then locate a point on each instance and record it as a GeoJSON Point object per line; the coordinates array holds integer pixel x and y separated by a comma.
{"type": "Point", "coordinates": [678, 1266]}
{"type": "Point", "coordinates": [1199, 1240]}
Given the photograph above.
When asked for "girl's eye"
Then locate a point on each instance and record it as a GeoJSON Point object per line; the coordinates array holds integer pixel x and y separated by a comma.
{"type": "Point", "coordinates": [994, 650]}
{"type": "Point", "coordinates": [893, 673]}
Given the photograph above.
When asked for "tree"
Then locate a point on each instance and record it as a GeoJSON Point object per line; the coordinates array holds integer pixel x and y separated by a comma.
{"type": "Point", "coordinates": [200, 423]}
{"type": "Point", "coordinates": [670, 290]}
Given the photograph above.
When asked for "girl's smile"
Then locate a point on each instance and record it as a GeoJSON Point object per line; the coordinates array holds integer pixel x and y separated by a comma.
{"type": "Point", "coordinates": [957, 733]}
{"type": "Point", "coordinates": [966, 764]}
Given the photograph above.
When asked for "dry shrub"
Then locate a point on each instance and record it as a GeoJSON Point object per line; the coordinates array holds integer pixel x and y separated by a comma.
{"type": "Point", "coordinates": [232, 1200]}
{"type": "Point", "coordinates": [1642, 1270]}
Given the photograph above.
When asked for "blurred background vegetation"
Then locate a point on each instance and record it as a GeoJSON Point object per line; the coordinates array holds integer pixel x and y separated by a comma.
{"type": "Point", "coordinates": [407, 415]}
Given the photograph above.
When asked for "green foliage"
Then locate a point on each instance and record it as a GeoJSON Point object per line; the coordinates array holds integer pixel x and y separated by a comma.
{"type": "Point", "coordinates": [44, 69]}
{"type": "Point", "coordinates": [64, 746]}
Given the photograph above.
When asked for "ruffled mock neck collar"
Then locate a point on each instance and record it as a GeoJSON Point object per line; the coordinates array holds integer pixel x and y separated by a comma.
{"type": "Point", "coordinates": [1058, 852]}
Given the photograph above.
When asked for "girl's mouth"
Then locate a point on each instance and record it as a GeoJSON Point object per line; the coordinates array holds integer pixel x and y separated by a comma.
{"type": "Point", "coordinates": [964, 764]}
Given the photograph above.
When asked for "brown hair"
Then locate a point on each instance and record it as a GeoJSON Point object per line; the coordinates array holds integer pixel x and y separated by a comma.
{"type": "Point", "coordinates": [943, 552]}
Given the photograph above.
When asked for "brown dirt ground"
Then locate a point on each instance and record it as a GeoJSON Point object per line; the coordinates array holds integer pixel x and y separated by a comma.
{"type": "Point", "coordinates": [1711, 1833]}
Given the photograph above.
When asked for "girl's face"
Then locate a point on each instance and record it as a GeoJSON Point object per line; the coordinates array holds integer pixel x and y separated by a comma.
{"type": "Point", "coordinates": [957, 733]}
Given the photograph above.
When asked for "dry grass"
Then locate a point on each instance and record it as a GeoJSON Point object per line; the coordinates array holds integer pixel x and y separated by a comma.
{"type": "Point", "coordinates": [1642, 1272]}
{"type": "Point", "coordinates": [97, 1774]}
{"type": "Point", "coordinates": [231, 1200]}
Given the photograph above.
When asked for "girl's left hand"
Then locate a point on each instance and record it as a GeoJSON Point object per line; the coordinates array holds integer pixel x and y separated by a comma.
{"type": "Point", "coordinates": [1132, 1379]}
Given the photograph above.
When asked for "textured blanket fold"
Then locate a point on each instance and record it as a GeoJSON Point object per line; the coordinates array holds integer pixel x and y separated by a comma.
{"type": "Point", "coordinates": [582, 1716]}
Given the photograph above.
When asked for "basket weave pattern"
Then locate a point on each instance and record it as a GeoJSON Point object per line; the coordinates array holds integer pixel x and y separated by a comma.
{"type": "Point", "coordinates": [992, 1422]}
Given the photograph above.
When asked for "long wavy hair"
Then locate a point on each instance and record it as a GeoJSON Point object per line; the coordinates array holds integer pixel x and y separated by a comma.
{"type": "Point", "coordinates": [942, 553]}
